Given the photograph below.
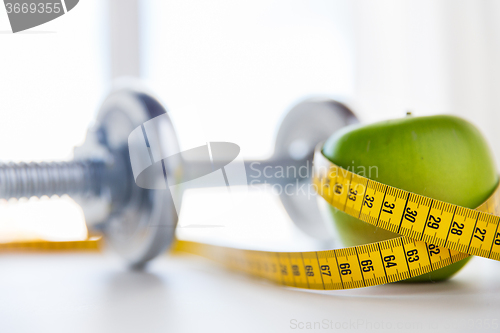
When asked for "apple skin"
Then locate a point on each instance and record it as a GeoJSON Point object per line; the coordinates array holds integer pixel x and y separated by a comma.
{"type": "Point", "coordinates": [442, 157]}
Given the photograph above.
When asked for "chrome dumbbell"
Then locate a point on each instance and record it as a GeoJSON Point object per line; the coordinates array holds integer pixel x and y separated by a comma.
{"type": "Point", "coordinates": [139, 221]}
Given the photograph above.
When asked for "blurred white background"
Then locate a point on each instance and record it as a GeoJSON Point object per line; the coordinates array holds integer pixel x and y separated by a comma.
{"type": "Point", "coordinates": [236, 67]}
{"type": "Point", "coordinates": [52, 79]}
{"type": "Point", "coordinates": [229, 70]}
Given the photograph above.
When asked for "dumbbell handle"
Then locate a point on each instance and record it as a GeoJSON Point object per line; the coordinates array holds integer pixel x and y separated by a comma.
{"type": "Point", "coordinates": [274, 171]}
{"type": "Point", "coordinates": [85, 177]}
{"type": "Point", "coordinates": [18, 180]}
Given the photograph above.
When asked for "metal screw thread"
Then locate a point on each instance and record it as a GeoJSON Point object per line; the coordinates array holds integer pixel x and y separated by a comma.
{"type": "Point", "coordinates": [18, 180]}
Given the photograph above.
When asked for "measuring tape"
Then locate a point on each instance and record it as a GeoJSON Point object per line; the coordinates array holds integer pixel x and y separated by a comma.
{"type": "Point", "coordinates": [434, 233]}
{"type": "Point", "coordinates": [92, 243]}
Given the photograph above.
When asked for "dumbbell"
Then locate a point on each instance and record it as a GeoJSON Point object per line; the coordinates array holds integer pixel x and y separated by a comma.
{"type": "Point", "coordinates": [139, 222]}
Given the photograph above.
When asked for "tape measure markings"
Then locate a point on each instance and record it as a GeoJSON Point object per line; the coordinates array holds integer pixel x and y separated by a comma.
{"type": "Point", "coordinates": [366, 265]}
{"type": "Point", "coordinates": [434, 233]}
{"type": "Point", "coordinates": [421, 218]}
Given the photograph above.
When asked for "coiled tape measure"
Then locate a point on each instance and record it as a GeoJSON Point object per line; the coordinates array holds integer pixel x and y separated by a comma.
{"type": "Point", "coordinates": [434, 234]}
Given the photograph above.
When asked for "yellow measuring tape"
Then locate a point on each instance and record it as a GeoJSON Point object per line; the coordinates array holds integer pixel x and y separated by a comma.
{"type": "Point", "coordinates": [435, 234]}
{"type": "Point", "coordinates": [92, 243]}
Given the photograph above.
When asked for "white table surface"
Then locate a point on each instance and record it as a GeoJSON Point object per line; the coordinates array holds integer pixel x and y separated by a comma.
{"type": "Point", "coordinates": [94, 292]}
{"type": "Point", "coordinates": [78, 292]}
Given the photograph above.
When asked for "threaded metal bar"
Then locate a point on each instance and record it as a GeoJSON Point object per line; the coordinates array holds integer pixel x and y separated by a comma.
{"type": "Point", "coordinates": [18, 180]}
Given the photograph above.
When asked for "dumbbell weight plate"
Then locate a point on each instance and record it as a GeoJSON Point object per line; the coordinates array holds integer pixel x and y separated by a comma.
{"type": "Point", "coordinates": [140, 223]}
{"type": "Point", "coordinates": [304, 126]}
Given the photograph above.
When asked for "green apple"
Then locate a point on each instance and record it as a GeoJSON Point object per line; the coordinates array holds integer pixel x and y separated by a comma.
{"type": "Point", "coordinates": [442, 157]}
